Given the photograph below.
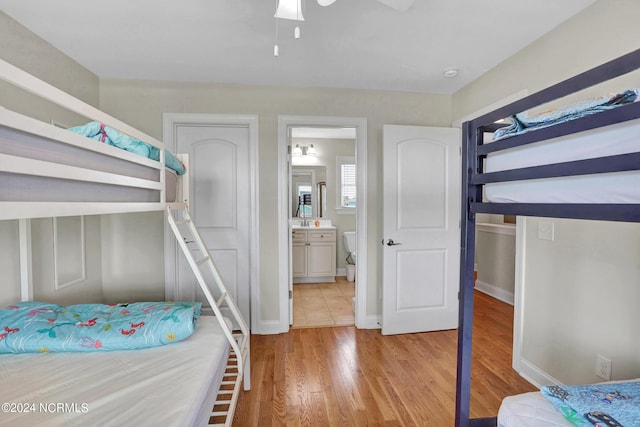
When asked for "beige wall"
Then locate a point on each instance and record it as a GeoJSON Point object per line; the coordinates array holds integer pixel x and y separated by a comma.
{"type": "Point", "coordinates": [604, 31]}
{"type": "Point", "coordinates": [495, 262]}
{"type": "Point", "coordinates": [25, 50]}
{"type": "Point", "coordinates": [141, 104]}
{"type": "Point", "coordinates": [9, 263]}
{"type": "Point", "coordinates": [44, 288]}
{"type": "Point", "coordinates": [581, 290]}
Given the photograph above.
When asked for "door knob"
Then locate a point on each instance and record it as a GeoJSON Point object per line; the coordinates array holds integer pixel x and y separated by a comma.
{"type": "Point", "coordinates": [390, 242]}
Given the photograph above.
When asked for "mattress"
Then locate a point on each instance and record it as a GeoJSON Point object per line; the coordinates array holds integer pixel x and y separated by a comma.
{"type": "Point", "coordinates": [530, 410]}
{"type": "Point", "coordinates": [16, 187]}
{"type": "Point", "coordinates": [171, 385]}
{"type": "Point", "coordinates": [619, 187]}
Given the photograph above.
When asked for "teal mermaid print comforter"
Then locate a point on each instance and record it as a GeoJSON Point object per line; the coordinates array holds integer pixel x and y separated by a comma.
{"type": "Point", "coordinates": [31, 327]}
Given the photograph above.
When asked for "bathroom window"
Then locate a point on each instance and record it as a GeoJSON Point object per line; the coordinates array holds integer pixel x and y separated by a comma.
{"type": "Point", "coordinates": [346, 177]}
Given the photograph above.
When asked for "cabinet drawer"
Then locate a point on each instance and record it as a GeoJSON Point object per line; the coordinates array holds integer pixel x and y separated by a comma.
{"type": "Point", "coordinates": [321, 235]}
{"type": "Point", "coordinates": [298, 235]}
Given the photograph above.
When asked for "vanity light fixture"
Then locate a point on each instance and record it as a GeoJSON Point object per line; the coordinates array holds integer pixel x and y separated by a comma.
{"type": "Point", "coordinates": [305, 150]}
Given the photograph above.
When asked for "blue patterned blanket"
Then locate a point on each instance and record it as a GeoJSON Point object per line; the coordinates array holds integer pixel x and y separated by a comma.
{"type": "Point", "coordinates": [607, 404]}
{"type": "Point", "coordinates": [522, 122]}
{"type": "Point", "coordinates": [108, 135]}
{"type": "Point", "coordinates": [31, 327]}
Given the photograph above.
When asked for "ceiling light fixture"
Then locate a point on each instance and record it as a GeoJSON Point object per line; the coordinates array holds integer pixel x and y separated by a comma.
{"type": "Point", "coordinates": [292, 9]}
{"type": "Point", "coordinates": [287, 9]}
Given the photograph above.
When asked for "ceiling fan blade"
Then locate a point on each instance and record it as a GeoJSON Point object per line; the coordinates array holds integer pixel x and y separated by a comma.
{"type": "Point", "coordinates": [400, 5]}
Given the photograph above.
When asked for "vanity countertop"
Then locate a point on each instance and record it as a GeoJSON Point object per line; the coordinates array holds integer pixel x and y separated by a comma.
{"type": "Point", "coordinates": [313, 227]}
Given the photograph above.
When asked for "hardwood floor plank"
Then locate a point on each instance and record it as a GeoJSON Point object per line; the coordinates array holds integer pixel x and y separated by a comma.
{"type": "Point", "coordinates": [341, 376]}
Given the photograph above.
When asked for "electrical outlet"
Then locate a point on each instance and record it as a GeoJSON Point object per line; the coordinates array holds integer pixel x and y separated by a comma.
{"type": "Point", "coordinates": [603, 367]}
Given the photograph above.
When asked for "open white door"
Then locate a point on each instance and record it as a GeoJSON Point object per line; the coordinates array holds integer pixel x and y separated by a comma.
{"type": "Point", "coordinates": [421, 226]}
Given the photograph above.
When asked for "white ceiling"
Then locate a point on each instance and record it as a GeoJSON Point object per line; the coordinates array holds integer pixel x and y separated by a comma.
{"type": "Point", "coordinates": [360, 44]}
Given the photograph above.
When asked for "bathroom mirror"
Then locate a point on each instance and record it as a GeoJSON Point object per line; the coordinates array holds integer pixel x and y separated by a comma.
{"type": "Point", "coordinates": [305, 191]}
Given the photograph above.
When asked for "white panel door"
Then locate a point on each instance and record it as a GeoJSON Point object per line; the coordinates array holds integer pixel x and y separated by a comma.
{"type": "Point", "coordinates": [421, 229]}
{"type": "Point", "coordinates": [220, 206]}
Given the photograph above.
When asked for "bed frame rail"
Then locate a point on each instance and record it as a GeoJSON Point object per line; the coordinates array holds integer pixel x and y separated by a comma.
{"type": "Point", "coordinates": [475, 152]}
{"type": "Point", "coordinates": [77, 173]}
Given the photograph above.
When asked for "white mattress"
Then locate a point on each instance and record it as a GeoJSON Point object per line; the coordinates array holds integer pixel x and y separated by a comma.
{"type": "Point", "coordinates": [171, 385]}
{"type": "Point", "coordinates": [25, 188]}
{"type": "Point", "coordinates": [611, 140]}
{"type": "Point", "coordinates": [530, 410]}
{"type": "Point", "coordinates": [533, 410]}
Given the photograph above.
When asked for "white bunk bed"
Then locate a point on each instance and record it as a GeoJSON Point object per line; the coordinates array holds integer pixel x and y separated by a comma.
{"type": "Point", "coordinates": [46, 171]}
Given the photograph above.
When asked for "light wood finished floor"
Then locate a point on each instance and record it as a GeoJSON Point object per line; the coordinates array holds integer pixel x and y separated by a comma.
{"type": "Point", "coordinates": [342, 376]}
{"type": "Point", "coordinates": [323, 304]}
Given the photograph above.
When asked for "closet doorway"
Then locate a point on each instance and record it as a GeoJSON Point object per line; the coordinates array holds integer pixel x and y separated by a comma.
{"type": "Point", "coordinates": [337, 143]}
{"type": "Point", "coordinates": [222, 158]}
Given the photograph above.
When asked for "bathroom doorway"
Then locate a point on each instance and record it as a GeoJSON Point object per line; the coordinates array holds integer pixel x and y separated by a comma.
{"type": "Point", "coordinates": [323, 208]}
{"type": "Point", "coordinates": [322, 188]}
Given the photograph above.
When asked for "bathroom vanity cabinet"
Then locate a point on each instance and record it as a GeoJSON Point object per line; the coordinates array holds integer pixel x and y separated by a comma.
{"type": "Point", "coordinates": [314, 255]}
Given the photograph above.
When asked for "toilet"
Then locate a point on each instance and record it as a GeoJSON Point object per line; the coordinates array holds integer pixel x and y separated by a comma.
{"type": "Point", "coordinates": [349, 239]}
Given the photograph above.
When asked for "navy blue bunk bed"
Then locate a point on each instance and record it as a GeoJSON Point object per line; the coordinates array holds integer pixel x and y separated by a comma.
{"type": "Point", "coordinates": [475, 152]}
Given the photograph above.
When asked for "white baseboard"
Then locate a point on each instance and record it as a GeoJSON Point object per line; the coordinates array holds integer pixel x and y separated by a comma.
{"type": "Point", "coordinates": [495, 292]}
{"type": "Point", "coordinates": [315, 279]}
{"type": "Point", "coordinates": [341, 271]}
{"type": "Point", "coordinates": [271, 327]}
{"type": "Point", "coordinates": [535, 375]}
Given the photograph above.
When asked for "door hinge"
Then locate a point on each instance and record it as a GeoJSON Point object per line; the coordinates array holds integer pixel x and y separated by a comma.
{"type": "Point", "coordinates": [290, 294]}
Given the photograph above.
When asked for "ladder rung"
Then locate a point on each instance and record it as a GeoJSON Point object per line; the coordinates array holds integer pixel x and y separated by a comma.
{"type": "Point", "coordinates": [228, 382]}
{"type": "Point", "coordinates": [219, 413]}
{"type": "Point", "coordinates": [223, 402]}
{"type": "Point", "coordinates": [203, 260]}
{"type": "Point", "coordinates": [183, 221]}
{"type": "Point", "coordinates": [221, 299]}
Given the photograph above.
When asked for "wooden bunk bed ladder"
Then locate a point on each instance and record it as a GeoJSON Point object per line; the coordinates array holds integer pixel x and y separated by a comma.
{"type": "Point", "coordinates": [185, 232]}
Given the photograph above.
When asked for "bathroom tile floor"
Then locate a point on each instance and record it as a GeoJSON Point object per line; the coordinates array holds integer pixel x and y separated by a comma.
{"type": "Point", "coordinates": [323, 304]}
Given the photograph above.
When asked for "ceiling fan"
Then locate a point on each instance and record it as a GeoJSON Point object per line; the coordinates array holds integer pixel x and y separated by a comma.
{"type": "Point", "coordinates": [400, 5]}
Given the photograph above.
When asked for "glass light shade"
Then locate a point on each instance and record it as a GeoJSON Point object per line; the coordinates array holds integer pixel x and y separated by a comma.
{"type": "Point", "coordinates": [311, 151]}
{"type": "Point", "coordinates": [297, 151]}
{"type": "Point", "coordinates": [326, 2]}
{"type": "Point", "coordinates": [289, 9]}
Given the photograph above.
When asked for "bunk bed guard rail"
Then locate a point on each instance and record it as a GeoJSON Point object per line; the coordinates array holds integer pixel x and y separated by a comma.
{"type": "Point", "coordinates": [78, 173]}
{"type": "Point", "coordinates": [475, 152]}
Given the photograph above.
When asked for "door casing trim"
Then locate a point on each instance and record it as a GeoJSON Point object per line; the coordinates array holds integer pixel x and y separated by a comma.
{"type": "Point", "coordinates": [284, 237]}
{"type": "Point", "coordinates": [169, 123]}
